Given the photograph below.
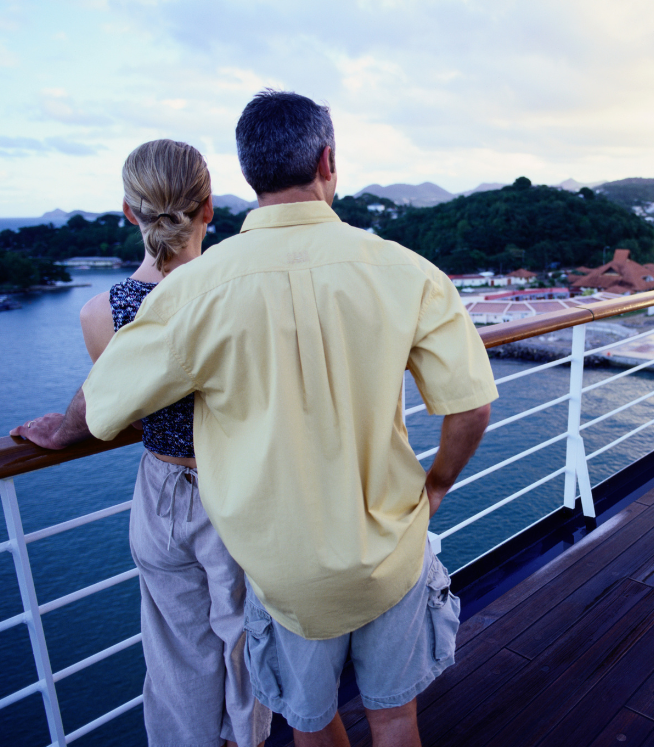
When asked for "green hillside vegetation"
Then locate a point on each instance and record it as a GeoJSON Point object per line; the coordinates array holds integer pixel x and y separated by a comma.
{"type": "Point", "coordinates": [628, 192]}
{"type": "Point", "coordinates": [518, 226]}
{"type": "Point", "coordinates": [538, 228]}
{"type": "Point", "coordinates": [28, 256]}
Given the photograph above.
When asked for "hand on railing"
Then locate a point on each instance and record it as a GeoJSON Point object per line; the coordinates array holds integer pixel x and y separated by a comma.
{"type": "Point", "coordinates": [56, 431]}
{"type": "Point", "coordinates": [41, 431]}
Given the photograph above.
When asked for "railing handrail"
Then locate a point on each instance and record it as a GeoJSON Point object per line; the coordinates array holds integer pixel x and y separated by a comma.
{"type": "Point", "coordinates": [18, 456]}
{"type": "Point", "coordinates": [532, 326]}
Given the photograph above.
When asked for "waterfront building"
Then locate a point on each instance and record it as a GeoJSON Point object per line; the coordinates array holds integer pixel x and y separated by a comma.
{"type": "Point", "coordinates": [87, 262]}
{"type": "Point", "coordinates": [482, 278]}
{"type": "Point", "coordinates": [621, 275]}
{"type": "Point", "coordinates": [521, 277]}
{"type": "Point", "coordinates": [505, 307]}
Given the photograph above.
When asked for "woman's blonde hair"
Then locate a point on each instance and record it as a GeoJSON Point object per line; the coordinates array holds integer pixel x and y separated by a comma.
{"type": "Point", "coordinates": [166, 184]}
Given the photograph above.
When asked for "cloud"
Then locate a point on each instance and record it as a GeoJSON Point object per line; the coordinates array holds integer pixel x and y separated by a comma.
{"type": "Point", "coordinates": [7, 58]}
{"type": "Point", "coordinates": [451, 91]}
{"type": "Point", "coordinates": [72, 148]}
{"type": "Point", "coordinates": [57, 104]}
{"type": "Point", "coordinates": [12, 147]}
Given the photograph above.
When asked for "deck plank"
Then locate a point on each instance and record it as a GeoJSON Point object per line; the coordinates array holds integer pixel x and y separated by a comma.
{"type": "Point", "coordinates": [599, 706]}
{"type": "Point", "coordinates": [642, 700]}
{"type": "Point", "coordinates": [562, 616]}
{"type": "Point", "coordinates": [437, 716]}
{"type": "Point", "coordinates": [648, 498]}
{"type": "Point", "coordinates": [542, 698]}
{"type": "Point", "coordinates": [627, 728]}
{"type": "Point", "coordinates": [521, 593]}
{"type": "Point", "coordinates": [547, 682]}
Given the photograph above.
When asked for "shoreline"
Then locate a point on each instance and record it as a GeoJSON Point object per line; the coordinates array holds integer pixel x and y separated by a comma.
{"type": "Point", "coordinates": [42, 289]}
{"type": "Point", "coordinates": [557, 345]}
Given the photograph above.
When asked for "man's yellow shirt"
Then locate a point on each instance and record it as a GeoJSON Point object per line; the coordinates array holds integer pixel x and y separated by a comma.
{"type": "Point", "coordinates": [294, 336]}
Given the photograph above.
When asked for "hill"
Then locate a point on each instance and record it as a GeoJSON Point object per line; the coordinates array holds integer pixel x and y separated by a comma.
{"type": "Point", "coordinates": [521, 226]}
{"type": "Point", "coordinates": [426, 194]}
{"type": "Point", "coordinates": [630, 193]}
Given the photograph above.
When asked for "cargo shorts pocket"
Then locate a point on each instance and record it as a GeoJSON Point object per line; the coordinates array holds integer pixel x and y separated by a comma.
{"type": "Point", "coordinates": [261, 651]}
{"type": "Point", "coordinates": [443, 610]}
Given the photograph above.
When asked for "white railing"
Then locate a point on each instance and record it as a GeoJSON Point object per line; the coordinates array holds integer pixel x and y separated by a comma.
{"type": "Point", "coordinates": [33, 612]}
{"type": "Point", "coordinates": [575, 467]}
{"type": "Point", "coordinates": [575, 470]}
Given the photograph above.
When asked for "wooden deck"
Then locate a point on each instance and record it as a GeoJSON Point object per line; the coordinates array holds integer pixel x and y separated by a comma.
{"type": "Point", "coordinates": [564, 659]}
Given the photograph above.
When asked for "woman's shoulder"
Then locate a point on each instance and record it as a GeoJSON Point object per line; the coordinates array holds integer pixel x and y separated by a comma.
{"type": "Point", "coordinates": [97, 324]}
{"type": "Point", "coordinates": [96, 309]}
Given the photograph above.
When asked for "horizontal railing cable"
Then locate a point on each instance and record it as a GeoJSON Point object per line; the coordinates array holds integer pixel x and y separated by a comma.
{"type": "Point", "coordinates": [72, 669]}
{"type": "Point", "coordinates": [36, 687]}
{"type": "Point", "coordinates": [412, 410]}
{"type": "Point", "coordinates": [604, 382]}
{"type": "Point", "coordinates": [82, 731]}
{"type": "Point", "coordinates": [90, 660]}
{"type": "Point", "coordinates": [501, 503]}
{"type": "Point", "coordinates": [78, 522]}
{"type": "Point", "coordinates": [535, 369]}
{"type": "Point", "coordinates": [506, 462]}
{"type": "Point", "coordinates": [11, 622]}
{"type": "Point", "coordinates": [87, 591]}
{"type": "Point", "coordinates": [620, 440]}
{"type": "Point", "coordinates": [618, 343]}
{"type": "Point", "coordinates": [616, 411]}
{"type": "Point", "coordinates": [64, 526]}
{"type": "Point", "coordinates": [526, 413]}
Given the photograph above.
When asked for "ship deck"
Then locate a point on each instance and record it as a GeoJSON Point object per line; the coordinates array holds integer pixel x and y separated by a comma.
{"type": "Point", "coordinates": [564, 658]}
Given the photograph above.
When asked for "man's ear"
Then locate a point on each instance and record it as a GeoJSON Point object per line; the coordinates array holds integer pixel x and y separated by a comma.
{"type": "Point", "coordinates": [129, 214]}
{"type": "Point", "coordinates": [325, 163]}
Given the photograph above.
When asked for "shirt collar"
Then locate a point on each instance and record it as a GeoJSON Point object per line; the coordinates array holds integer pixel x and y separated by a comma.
{"type": "Point", "coordinates": [289, 214]}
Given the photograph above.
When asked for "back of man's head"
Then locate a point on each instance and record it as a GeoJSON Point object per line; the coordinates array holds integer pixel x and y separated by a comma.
{"type": "Point", "coordinates": [280, 138]}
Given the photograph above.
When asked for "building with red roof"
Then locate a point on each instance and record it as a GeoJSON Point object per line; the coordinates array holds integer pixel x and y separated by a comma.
{"type": "Point", "coordinates": [521, 276]}
{"type": "Point", "coordinates": [621, 275]}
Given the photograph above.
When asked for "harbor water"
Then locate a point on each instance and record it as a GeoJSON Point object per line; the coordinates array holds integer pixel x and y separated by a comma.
{"type": "Point", "coordinates": [43, 363]}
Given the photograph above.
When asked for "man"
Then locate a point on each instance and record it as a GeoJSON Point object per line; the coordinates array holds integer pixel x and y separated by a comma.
{"type": "Point", "coordinates": [295, 336]}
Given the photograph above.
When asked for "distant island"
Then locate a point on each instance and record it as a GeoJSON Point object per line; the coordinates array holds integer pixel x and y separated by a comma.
{"type": "Point", "coordinates": [493, 227]}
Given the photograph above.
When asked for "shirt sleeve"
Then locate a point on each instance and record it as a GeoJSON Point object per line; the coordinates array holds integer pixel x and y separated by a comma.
{"type": "Point", "coordinates": [448, 360]}
{"type": "Point", "coordinates": [137, 374]}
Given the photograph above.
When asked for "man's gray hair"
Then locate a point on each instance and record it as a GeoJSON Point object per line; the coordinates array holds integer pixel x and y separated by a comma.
{"type": "Point", "coordinates": [280, 138]}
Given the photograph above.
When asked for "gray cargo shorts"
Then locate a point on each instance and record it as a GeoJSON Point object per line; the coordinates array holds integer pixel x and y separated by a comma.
{"type": "Point", "coordinates": [395, 657]}
{"type": "Point", "coordinates": [197, 689]}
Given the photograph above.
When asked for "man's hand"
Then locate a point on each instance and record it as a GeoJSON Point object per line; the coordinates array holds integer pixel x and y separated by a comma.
{"type": "Point", "coordinates": [56, 431]}
{"type": "Point", "coordinates": [460, 436]}
{"type": "Point", "coordinates": [42, 431]}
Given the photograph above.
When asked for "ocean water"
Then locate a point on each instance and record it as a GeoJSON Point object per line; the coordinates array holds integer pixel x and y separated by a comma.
{"type": "Point", "coordinates": [43, 363]}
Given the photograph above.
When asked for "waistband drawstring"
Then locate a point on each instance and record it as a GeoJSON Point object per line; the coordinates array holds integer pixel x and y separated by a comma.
{"type": "Point", "coordinates": [179, 473]}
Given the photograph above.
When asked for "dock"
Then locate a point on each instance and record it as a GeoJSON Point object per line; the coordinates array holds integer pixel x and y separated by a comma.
{"type": "Point", "coordinates": [564, 659]}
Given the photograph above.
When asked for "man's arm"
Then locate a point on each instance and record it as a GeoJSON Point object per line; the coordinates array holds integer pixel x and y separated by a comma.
{"type": "Point", "coordinates": [460, 436]}
{"type": "Point", "coordinates": [56, 431]}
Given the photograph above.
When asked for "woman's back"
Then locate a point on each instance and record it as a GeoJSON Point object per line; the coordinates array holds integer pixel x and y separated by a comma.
{"type": "Point", "coordinates": [169, 431]}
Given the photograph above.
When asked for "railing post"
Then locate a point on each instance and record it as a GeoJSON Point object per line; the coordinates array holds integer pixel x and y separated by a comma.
{"type": "Point", "coordinates": [30, 605]}
{"type": "Point", "coordinates": [576, 466]}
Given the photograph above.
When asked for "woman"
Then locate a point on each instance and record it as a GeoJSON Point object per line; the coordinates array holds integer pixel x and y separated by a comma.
{"type": "Point", "coordinates": [197, 689]}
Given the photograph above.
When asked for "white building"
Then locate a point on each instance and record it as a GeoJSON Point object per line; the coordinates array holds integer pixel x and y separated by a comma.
{"type": "Point", "coordinates": [87, 262]}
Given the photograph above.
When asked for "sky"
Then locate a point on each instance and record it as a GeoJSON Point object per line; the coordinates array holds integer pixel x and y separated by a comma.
{"type": "Point", "coordinates": [455, 92]}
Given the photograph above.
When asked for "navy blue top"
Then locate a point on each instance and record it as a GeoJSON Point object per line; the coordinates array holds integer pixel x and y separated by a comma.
{"type": "Point", "coordinates": [168, 431]}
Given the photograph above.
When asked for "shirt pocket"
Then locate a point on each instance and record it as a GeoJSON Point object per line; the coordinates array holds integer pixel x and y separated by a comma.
{"type": "Point", "coordinates": [261, 651]}
{"type": "Point", "coordinates": [443, 609]}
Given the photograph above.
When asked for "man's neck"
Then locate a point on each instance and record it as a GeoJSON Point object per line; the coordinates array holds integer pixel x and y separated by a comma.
{"type": "Point", "coordinates": [311, 193]}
